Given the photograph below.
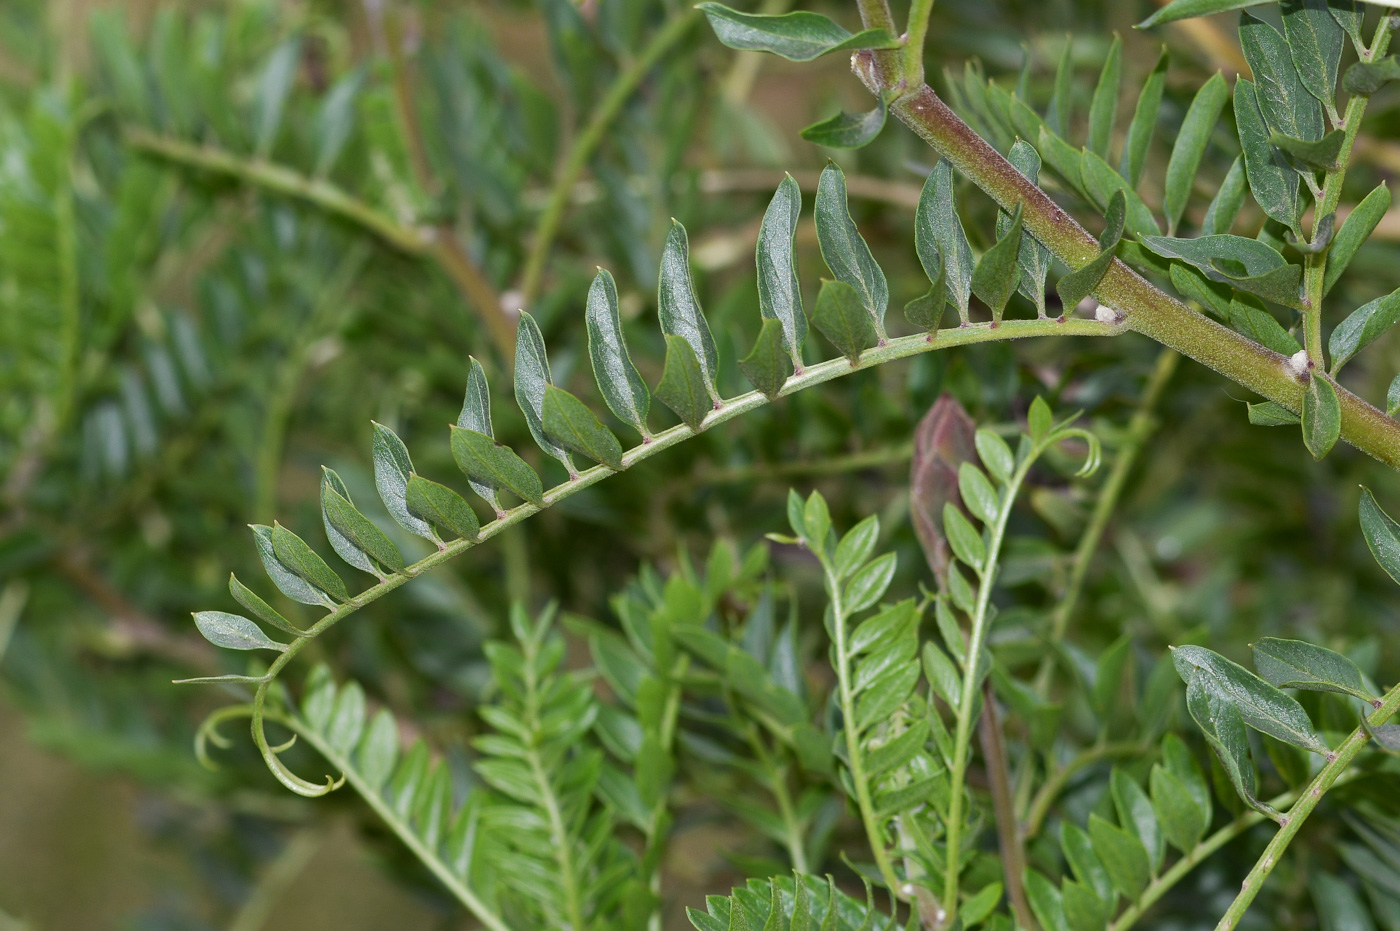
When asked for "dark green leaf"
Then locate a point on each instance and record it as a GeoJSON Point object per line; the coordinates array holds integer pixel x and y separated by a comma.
{"type": "Point", "coordinates": [680, 309]}
{"type": "Point", "coordinates": [683, 386]}
{"type": "Point", "coordinates": [1247, 264]}
{"type": "Point", "coordinates": [842, 318]}
{"type": "Point", "coordinates": [1362, 327]}
{"type": "Point", "coordinates": [476, 415]}
{"type": "Point", "coordinates": [1295, 664]}
{"type": "Point", "coordinates": [261, 609]}
{"type": "Point", "coordinates": [442, 507]}
{"type": "Point", "coordinates": [1190, 146]}
{"type": "Point", "coordinates": [495, 465]}
{"type": "Point", "coordinates": [234, 632]}
{"type": "Point", "coordinates": [1259, 704]}
{"type": "Point", "coordinates": [1315, 41]}
{"type": "Point", "coordinates": [1057, 116]}
{"type": "Point", "coordinates": [1136, 815]}
{"type": "Point", "coordinates": [766, 365]}
{"type": "Point", "coordinates": [1359, 226]}
{"type": "Point", "coordinates": [997, 274]}
{"type": "Point", "coordinates": [351, 534]}
{"type": "Point", "coordinates": [292, 552]}
{"type": "Point", "coordinates": [1349, 16]}
{"type": "Point", "coordinates": [1084, 910]}
{"type": "Point", "coordinates": [1387, 735]}
{"type": "Point", "coordinates": [1104, 105]}
{"type": "Point", "coordinates": [1271, 414]}
{"type": "Point", "coordinates": [1220, 721]}
{"type": "Point", "coordinates": [940, 239]}
{"type": "Point", "coordinates": [845, 251]}
{"type": "Point", "coordinates": [532, 377]}
{"type": "Point", "coordinates": [779, 291]}
{"type": "Point", "coordinates": [392, 467]}
{"type": "Point", "coordinates": [1189, 9]}
{"type": "Point", "coordinates": [1287, 107]}
{"type": "Point", "coordinates": [1322, 415]}
{"type": "Point", "coordinates": [799, 36]}
{"type": "Point", "coordinates": [569, 422]}
{"type": "Point", "coordinates": [848, 130]}
{"type": "Point", "coordinates": [1228, 201]}
{"type": "Point", "coordinates": [926, 310]}
{"type": "Point", "coordinates": [1144, 123]}
{"type": "Point", "coordinates": [621, 385]}
{"type": "Point", "coordinates": [286, 580]}
{"type": "Point", "coordinates": [1123, 857]}
{"type": "Point", "coordinates": [1080, 283]}
{"type": "Point", "coordinates": [1272, 181]}
{"type": "Point", "coordinates": [1182, 822]}
{"type": "Point", "coordinates": [344, 546]}
{"type": "Point", "coordinates": [1382, 534]}
{"type": "Point", "coordinates": [1321, 155]}
{"type": "Point", "coordinates": [1367, 77]}
{"type": "Point", "coordinates": [1034, 258]}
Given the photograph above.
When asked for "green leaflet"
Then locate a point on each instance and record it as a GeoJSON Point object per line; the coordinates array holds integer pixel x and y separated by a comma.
{"type": "Point", "coordinates": [442, 507]}
{"type": "Point", "coordinates": [234, 632]}
{"type": "Point", "coordinates": [1135, 814]}
{"type": "Point", "coordinates": [1182, 764]}
{"type": "Point", "coordinates": [1057, 115]}
{"type": "Point", "coordinates": [1322, 416]}
{"type": "Point", "coordinates": [841, 316]}
{"type": "Point", "coordinates": [1078, 284]}
{"type": "Point", "coordinates": [1183, 824]}
{"type": "Point", "coordinates": [1079, 851]}
{"type": "Point", "coordinates": [996, 276]}
{"type": "Point", "coordinates": [1272, 181]}
{"type": "Point", "coordinates": [799, 36]}
{"type": "Point", "coordinates": [273, 87]}
{"type": "Point", "coordinates": [1190, 146]}
{"type": "Point", "coordinates": [1247, 264]}
{"type": "Point", "coordinates": [1046, 902]}
{"type": "Point", "coordinates": [1189, 9]}
{"type": "Point", "coordinates": [1362, 327]}
{"type": "Point", "coordinates": [926, 310]}
{"type": "Point", "coordinates": [1259, 704]}
{"type": "Point", "coordinates": [1392, 397]}
{"type": "Point", "coordinates": [1287, 107]}
{"type": "Point", "coordinates": [1228, 201]}
{"type": "Point", "coordinates": [1294, 664]}
{"type": "Point", "coordinates": [1243, 312]}
{"type": "Point", "coordinates": [845, 251]}
{"type": "Point", "coordinates": [293, 553]}
{"type": "Point", "coordinates": [392, 467]}
{"type": "Point", "coordinates": [532, 377]}
{"type": "Point", "coordinates": [1315, 42]}
{"type": "Point", "coordinates": [476, 415]}
{"type": "Point", "coordinates": [335, 120]}
{"type": "Point", "coordinates": [766, 365]}
{"type": "Point", "coordinates": [965, 541]}
{"type": "Point", "coordinates": [790, 903]}
{"type": "Point", "coordinates": [1271, 414]}
{"type": "Point", "coordinates": [1224, 730]}
{"type": "Point", "coordinates": [995, 455]}
{"type": "Point", "coordinates": [1367, 77]}
{"type": "Point", "coordinates": [1101, 182]}
{"type": "Point", "coordinates": [1321, 155]}
{"type": "Point", "coordinates": [1033, 258]}
{"type": "Point", "coordinates": [618, 379]}
{"type": "Point", "coordinates": [286, 580]}
{"type": "Point", "coordinates": [352, 535]}
{"type": "Point", "coordinates": [261, 609]}
{"type": "Point", "coordinates": [486, 462]}
{"type": "Point", "coordinates": [1104, 104]}
{"type": "Point", "coordinates": [779, 290]}
{"type": "Point", "coordinates": [1144, 123]}
{"type": "Point", "coordinates": [1065, 159]}
{"type": "Point", "coordinates": [978, 493]}
{"type": "Point", "coordinates": [680, 309]}
{"type": "Point", "coordinates": [568, 421]}
{"type": "Point", "coordinates": [848, 130]}
{"type": "Point", "coordinates": [683, 386]}
{"type": "Point", "coordinates": [379, 749]}
{"type": "Point", "coordinates": [1349, 16]}
{"type": "Point", "coordinates": [1357, 228]}
{"type": "Point", "coordinates": [940, 239]}
{"type": "Point", "coordinates": [1382, 534]}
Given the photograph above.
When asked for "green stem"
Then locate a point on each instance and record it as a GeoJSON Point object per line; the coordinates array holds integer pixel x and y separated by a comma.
{"type": "Point", "coordinates": [1055, 783]}
{"type": "Point", "coordinates": [1298, 814]}
{"type": "Point", "coordinates": [588, 141]}
{"type": "Point", "coordinates": [962, 737]}
{"type": "Point", "coordinates": [914, 34]}
{"type": "Point", "coordinates": [777, 784]}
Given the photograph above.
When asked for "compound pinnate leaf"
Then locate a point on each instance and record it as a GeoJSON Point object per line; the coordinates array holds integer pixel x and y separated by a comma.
{"type": "Point", "coordinates": [845, 251]}
{"type": "Point", "coordinates": [848, 130]}
{"type": "Point", "coordinates": [1382, 534]}
{"type": "Point", "coordinates": [779, 290]}
{"type": "Point", "coordinates": [532, 377]}
{"type": "Point", "coordinates": [352, 535]}
{"type": "Point", "coordinates": [1362, 327]}
{"type": "Point", "coordinates": [392, 467]}
{"type": "Point", "coordinates": [1078, 284]}
{"type": "Point", "coordinates": [683, 386]}
{"type": "Point", "coordinates": [799, 36]}
{"type": "Point", "coordinates": [996, 276]}
{"type": "Point", "coordinates": [1315, 41]}
{"type": "Point", "coordinates": [568, 421]}
{"type": "Point", "coordinates": [618, 379]}
{"type": "Point", "coordinates": [287, 581]}
{"type": "Point", "coordinates": [261, 609]}
{"type": "Point", "coordinates": [842, 318]}
{"type": "Point", "coordinates": [766, 365]}
{"type": "Point", "coordinates": [293, 552]}
{"type": "Point", "coordinates": [234, 632]}
{"type": "Point", "coordinates": [1190, 146]}
{"type": "Point", "coordinates": [1287, 106]}
{"type": "Point", "coordinates": [1295, 664]}
{"type": "Point", "coordinates": [680, 309]}
{"type": "Point", "coordinates": [442, 507]}
{"type": "Point", "coordinates": [1322, 416]}
{"type": "Point", "coordinates": [1272, 181]}
{"type": "Point", "coordinates": [495, 465]}
{"type": "Point", "coordinates": [1224, 729]}
{"type": "Point", "coordinates": [940, 239]}
{"type": "Point", "coordinates": [1359, 226]}
{"type": "Point", "coordinates": [1258, 703]}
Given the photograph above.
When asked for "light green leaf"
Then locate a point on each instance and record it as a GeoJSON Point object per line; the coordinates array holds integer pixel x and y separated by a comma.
{"type": "Point", "coordinates": [799, 36]}
{"type": "Point", "coordinates": [1078, 284]}
{"type": "Point", "coordinates": [442, 507]}
{"type": "Point", "coordinates": [867, 585]}
{"type": "Point", "coordinates": [1144, 123]}
{"type": "Point", "coordinates": [270, 94]}
{"type": "Point", "coordinates": [1362, 327]}
{"type": "Point", "coordinates": [1392, 397]}
{"type": "Point", "coordinates": [1079, 851]}
{"type": "Point", "coordinates": [532, 377]}
{"type": "Point", "coordinates": [1365, 78]}
{"type": "Point", "coordinates": [261, 609]}
{"type": "Point", "coordinates": [683, 386]}
{"type": "Point", "coordinates": [842, 318]}
{"type": "Point", "coordinates": [779, 291]}
{"type": "Point", "coordinates": [1102, 182]}
{"type": "Point", "coordinates": [1271, 414]}
{"type": "Point", "coordinates": [1272, 181]}
{"type": "Point", "coordinates": [856, 546]}
{"type": "Point", "coordinates": [964, 539]}
{"type": "Point", "coordinates": [1287, 107]}
{"type": "Point", "coordinates": [286, 580]}
{"type": "Point", "coordinates": [1057, 116]}
{"type": "Point", "coordinates": [1382, 534]}
{"type": "Point", "coordinates": [1295, 664]}
{"type": "Point", "coordinates": [569, 422]}
{"type": "Point", "coordinates": [845, 251]}
{"type": "Point", "coordinates": [1228, 201]}
{"type": "Point", "coordinates": [335, 120]}
{"type": "Point", "coordinates": [997, 274]}
{"type": "Point", "coordinates": [476, 416]}
{"type": "Point", "coordinates": [1190, 146]}
{"type": "Point", "coordinates": [848, 130]}
{"type": "Point", "coordinates": [292, 552]}
{"type": "Point", "coordinates": [1322, 416]}
{"type": "Point", "coordinates": [1359, 226]}
{"type": "Point", "coordinates": [766, 365]}
{"type": "Point", "coordinates": [978, 494]}
{"type": "Point", "coordinates": [1123, 857]}
{"type": "Point", "coordinates": [1181, 819]}
{"type": "Point", "coordinates": [618, 379]}
{"type": "Point", "coordinates": [939, 236]}
{"type": "Point", "coordinates": [1039, 419]}
{"type": "Point", "coordinates": [1259, 704]}
{"type": "Point", "coordinates": [344, 546]}
{"type": "Point", "coordinates": [495, 465]}
{"type": "Point", "coordinates": [1315, 41]}
{"type": "Point", "coordinates": [1045, 901]}
{"type": "Point", "coordinates": [995, 454]}
{"type": "Point", "coordinates": [347, 719]}
{"type": "Point", "coordinates": [942, 675]}
{"type": "Point", "coordinates": [1104, 104]}
{"type": "Point", "coordinates": [352, 535]}
{"type": "Point", "coordinates": [1189, 9]}
{"type": "Point", "coordinates": [379, 749]}
{"type": "Point", "coordinates": [234, 632]}
{"type": "Point", "coordinates": [1136, 815]}
{"type": "Point", "coordinates": [392, 467]}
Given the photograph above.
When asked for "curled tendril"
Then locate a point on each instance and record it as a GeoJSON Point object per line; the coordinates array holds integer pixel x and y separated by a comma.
{"type": "Point", "coordinates": [208, 733]}
{"type": "Point", "coordinates": [1092, 459]}
{"type": "Point", "coordinates": [279, 769]}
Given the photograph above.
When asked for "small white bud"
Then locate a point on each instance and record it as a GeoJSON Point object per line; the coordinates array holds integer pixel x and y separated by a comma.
{"type": "Point", "coordinates": [1298, 363]}
{"type": "Point", "coordinates": [1105, 314]}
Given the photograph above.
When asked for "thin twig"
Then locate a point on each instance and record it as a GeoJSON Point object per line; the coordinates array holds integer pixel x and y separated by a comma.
{"type": "Point", "coordinates": [1009, 837]}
